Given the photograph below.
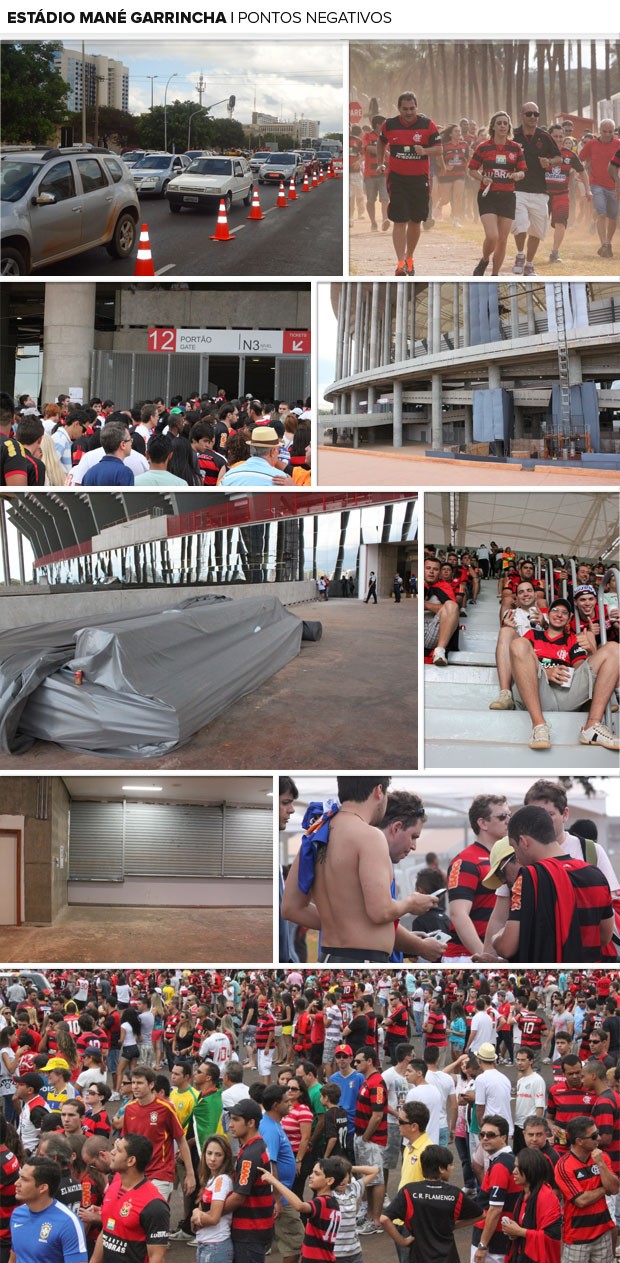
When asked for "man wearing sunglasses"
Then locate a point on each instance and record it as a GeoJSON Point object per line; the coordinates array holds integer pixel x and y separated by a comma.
{"type": "Point", "coordinates": [499, 1191]}
{"type": "Point", "coordinates": [532, 210]}
{"type": "Point", "coordinates": [470, 904]}
{"type": "Point", "coordinates": [586, 1181]}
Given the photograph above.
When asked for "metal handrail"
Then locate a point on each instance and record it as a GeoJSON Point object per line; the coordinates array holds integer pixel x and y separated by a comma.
{"type": "Point", "coordinates": [613, 571]}
{"type": "Point", "coordinates": [573, 576]}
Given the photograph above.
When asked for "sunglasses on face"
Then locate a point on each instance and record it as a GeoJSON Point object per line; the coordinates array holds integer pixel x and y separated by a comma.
{"type": "Point", "coordinates": [531, 114]}
{"type": "Point", "coordinates": [489, 1135]}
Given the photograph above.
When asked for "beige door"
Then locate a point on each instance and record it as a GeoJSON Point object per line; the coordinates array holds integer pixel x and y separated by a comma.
{"type": "Point", "coordinates": [10, 886]}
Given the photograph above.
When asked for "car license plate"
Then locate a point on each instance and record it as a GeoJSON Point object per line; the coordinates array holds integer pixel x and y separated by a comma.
{"type": "Point", "coordinates": [190, 199]}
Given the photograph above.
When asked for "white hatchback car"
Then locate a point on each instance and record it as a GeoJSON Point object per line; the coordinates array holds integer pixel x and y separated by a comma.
{"type": "Point", "coordinates": [208, 180]}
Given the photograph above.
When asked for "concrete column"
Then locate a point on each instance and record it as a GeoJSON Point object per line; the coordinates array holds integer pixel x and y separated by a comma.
{"type": "Point", "coordinates": [68, 332]}
{"type": "Point", "coordinates": [340, 333]}
{"type": "Point", "coordinates": [387, 322]}
{"type": "Point", "coordinates": [531, 319]}
{"type": "Point", "coordinates": [466, 318]}
{"type": "Point", "coordinates": [436, 413]}
{"type": "Point", "coordinates": [430, 299]}
{"type": "Point", "coordinates": [397, 388]}
{"type": "Point", "coordinates": [366, 347]}
{"type": "Point", "coordinates": [403, 347]}
{"type": "Point", "coordinates": [353, 409]}
{"type": "Point", "coordinates": [346, 341]}
{"type": "Point", "coordinates": [412, 314]}
{"type": "Point", "coordinates": [455, 314]}
{"type": "Point", "coordinates": [398, 336]}
{"type": "Point", "coordinates": [372, 398]}
{"type": "Point", "coordinates": [519, 422]}
{"type": "Point", "coordinates": [357, 335]}
{"type": "Point", "coordinates": [575, 374]}
{"type": "Point", "coordinates": [495, 376]}
{"type": "Point", "coordinates": [514, 309]}
{"type": "Point", "coordinates": [374, 324]}
{"type": "Point", "coordinates": [469, 423]}
{"type": "Point", "coordinates": [437, 317]}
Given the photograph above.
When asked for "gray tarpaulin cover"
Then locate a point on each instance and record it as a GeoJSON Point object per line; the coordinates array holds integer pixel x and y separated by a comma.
{"type": "Point", "coordinates": [151, 680]}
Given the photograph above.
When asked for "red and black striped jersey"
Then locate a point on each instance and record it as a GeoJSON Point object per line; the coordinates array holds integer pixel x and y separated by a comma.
{"type": "Point", "coordinates": [97, 1124]}
{"type": "Point", "coordinates": [403, 139]}
{"type": "Point", "coordinates": [592, 900]}
{"type": "Point", "coordinates": [574, 1177]}
{"type": "Point", "coordinates": [266, 1027]}
{"type": "Point", "coordinates": [170, 1025]}
{"type": "Point", "coordinates": [372, 1099]}
{"type": "Point", "coordinates": [437, 1037]}
{"type": "Point", "coordinates": [256, 1216]}
{"type": "Point", "coordinates": [465, 876]}
{"type": "Point", "coordinates": [498, 1189]}
{"type": "Point", "coordinates": [371, 1033]}
{"type": "Point", "coordinates": [132, 1219]}
{"type": "Point", "coordinates": [455, 155]}
{"type": "Point", "coordinates": [564, 1103]}
{"type": "Point", "coordinates": [9, 1171]}
{"type": "Point", "coordinates": [557, 178]}
{"type": "Point", "coordinates": [513, 579]}
{"type": "Point", "coordinates": [606, 1115]}
{"type": "Point", "coordinates": [532, 1030]}
{"type": "Point", "coordinates": [397, 1023]}
{"type": "Point", "coordinates": [591, 1022]}
{"type": "Point", "coordinates": [500, 162]}
{"type": "Point", "coordinates": [321, 1229]}
{"type": "Point", "coordinates": [92, 1039]}
{"type": "Point", "coordinates": [552, 650]}
{"type": "Point", "coordinates": [430, 1211]}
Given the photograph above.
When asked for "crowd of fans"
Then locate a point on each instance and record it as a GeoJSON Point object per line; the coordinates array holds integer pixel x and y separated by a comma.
{"type": "Point", "coordinates": [569, 182]}
{"type": "Point", "coordinates": [306, 1112]}
{"type": "Point", "coordinates": [196, 441]}
{"type": "Point", "coordinates": [551, 652]}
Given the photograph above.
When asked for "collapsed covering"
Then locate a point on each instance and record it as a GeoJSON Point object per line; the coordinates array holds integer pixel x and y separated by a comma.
{"type": "Point", "coordinates": [150, 680]}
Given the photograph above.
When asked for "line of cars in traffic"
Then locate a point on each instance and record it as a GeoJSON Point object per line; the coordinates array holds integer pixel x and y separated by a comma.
{"type": "Point", "coordinates": [60, 202]}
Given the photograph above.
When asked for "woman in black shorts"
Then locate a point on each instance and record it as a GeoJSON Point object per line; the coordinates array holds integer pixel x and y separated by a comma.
{"type": "Point", "coordinates": [498, 164]}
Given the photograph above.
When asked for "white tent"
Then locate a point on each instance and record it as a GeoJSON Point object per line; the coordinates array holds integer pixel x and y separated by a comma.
{"type": "Point", "coordinates": [583, 524]}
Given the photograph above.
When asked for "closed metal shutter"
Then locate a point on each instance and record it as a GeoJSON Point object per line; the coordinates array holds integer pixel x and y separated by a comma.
{"type": "Point", "coordinates": [248, 842]}
{"type": "Point", "coordinates": [96, 842]}
{"type": "Point", "coordinates": [173, 840]}
{"type": "Point", "coordinates": [292, 377]}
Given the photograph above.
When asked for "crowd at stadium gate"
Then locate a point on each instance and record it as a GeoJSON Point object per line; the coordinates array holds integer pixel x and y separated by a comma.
{"type": "Point", "coordinates": [194, 441]}
{"type": "Point", "coordinates": [304, 1112]}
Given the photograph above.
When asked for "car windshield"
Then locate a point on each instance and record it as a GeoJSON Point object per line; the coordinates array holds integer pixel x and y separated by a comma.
{"type": "Point", "coordinates": [281, 159]}
{"type": "Point", "coordinates": [210, 166]}
{"type": "Point", "coordinates": [16, 177]}
{"type": "Point", "coordinates": [154, 164]}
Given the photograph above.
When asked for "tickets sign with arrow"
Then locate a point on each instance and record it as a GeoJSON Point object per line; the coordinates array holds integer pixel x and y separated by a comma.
{"type": "Point", "coordinates": [230, 341]}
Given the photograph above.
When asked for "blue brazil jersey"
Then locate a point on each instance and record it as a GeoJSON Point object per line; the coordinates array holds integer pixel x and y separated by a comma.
{"type": "Point", "coordinates": [54, 1235]}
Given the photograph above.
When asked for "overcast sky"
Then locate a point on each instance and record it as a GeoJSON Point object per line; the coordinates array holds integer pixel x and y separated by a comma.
{"type": "Point", "coordinates": [288, 80]}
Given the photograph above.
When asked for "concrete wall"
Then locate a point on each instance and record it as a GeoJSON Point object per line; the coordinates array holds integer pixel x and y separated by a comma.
{"type": "Point", "coordinates": [161, 892]}
{"type": "Point", "coordinates": [45, 880]}
{"type": "Point", "coordinates": [206, 309]}
{"type": "Point", "coordinates": [37, 606]}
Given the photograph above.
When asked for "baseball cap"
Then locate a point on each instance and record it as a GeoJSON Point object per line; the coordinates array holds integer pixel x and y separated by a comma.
{"type": "Point", "coordinates": [585, 587]}
{"type": "Point", "coordinates": [246, 1109]}
{"type": "Point", "coordinates": [56, 1063]}
{"type": "Point", "coordinates": [264, 436]}
{"type": "Point", "coordinates": [500, 851]}
{"type": "Point", "coordinates": [486, 1052]}
{"type": "Point", "coordinates": [561, 601]}
{"type": "Point", "coordinates": [31, 1078]}
{"type": "Point", "coordinates": [346, 1049]}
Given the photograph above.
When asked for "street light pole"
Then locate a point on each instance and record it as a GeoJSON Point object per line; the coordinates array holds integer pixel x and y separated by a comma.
{"type": "Point", "coordinates": [152, 77]}
{"type": "Point", "coordinates": [202, 107]}
{"type": "Point", "coordinates": [172, 76]}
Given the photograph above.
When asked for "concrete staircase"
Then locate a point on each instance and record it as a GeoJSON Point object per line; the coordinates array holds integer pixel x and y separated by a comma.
{"type": "Point", "coordinates": [461, 731]}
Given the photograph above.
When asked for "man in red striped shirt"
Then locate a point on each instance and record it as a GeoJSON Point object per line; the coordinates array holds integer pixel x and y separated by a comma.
{"type": "Point", "coordinates": [251, 1201]}
{"type": "Point", "coordinates": [470, 903]}
{"type": "Point", "coordinates": [585, 1179]}
{"type": "Point", "coordinates": [606, 1116]}
{"type": "Point", "coordinates": [560, 908]}
{"type": "Point", "coordinates": [566, 1100]}
{"type": "Point", "coordinates": [371, 1127]}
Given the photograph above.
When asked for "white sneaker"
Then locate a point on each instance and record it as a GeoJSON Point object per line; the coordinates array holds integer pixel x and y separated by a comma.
{"type": "Point", "coordinates": [367, 1228]}
{"type": "Point", "coordinates": [439, 657]}
{"type": "Point", "coordinates": [115, 1096]}
{"type": "Point", "coordinates": [599, 735]}
{"type": "Point", "coordinates": [540, 738]}
{"type": "Point", "coordinates": [519, 264]}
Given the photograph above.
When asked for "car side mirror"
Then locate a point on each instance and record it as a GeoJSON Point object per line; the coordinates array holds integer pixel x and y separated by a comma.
{"type": "Point", "coordinates": [44, 199]}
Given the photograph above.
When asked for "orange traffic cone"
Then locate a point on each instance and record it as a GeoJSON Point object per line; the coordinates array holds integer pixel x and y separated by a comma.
{"type": "Point", "coordinates": [221, 228]}
{"type": "Point", "coordinates": [256, 212]}
{"type": "Point", "coordinates": [292, 191]}
{"type": "Point", "coordinates": [144, 258]}
{"type": "Point", "coordinates": [281, 202]}
{"type": "Point", "coordinates": [315, 181]}
{"type": "Point", "coordinates": [329, 175]}
{"type": "Point", "coordinates": [306, 184]}
{"type": "Point", "coordinates": [321, 176]}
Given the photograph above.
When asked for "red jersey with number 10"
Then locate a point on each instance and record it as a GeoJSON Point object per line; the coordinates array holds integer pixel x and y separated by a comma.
{"type": "Point", "coordinates": [321, 1230]}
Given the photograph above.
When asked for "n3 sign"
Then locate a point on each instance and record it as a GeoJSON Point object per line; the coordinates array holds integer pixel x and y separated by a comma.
{"type": "Point", "coordinates": [162, 339]}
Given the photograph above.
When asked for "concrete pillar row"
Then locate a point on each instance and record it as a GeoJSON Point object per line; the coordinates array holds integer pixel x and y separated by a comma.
{"type": "Point", "coordinates": [68, 333]}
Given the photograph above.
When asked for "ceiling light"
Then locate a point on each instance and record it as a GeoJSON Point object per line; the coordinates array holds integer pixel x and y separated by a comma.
{"type": "Point", "coordinates": [141, 789]}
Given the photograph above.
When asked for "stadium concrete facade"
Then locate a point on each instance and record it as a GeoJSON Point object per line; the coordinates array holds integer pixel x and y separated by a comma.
{"type": "Point", "coordinates": [501, 368]}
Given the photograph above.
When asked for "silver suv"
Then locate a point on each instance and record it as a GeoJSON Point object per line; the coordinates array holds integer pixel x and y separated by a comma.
{"type": "Point", "coordinates": [56, 203]}
{"type": "Point", "coordinates": [153, 173]}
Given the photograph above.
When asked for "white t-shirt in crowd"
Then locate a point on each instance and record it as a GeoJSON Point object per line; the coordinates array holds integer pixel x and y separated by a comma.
{"type": "Point", "coordinates": [431, 1096]}
{"type": "Point", "coordinates": [531, 1095]}
{"type": "Point", "coordinates": [493, 1092]}
{"type": "Point", "coordinates": [445, 1085]}
{"type": "Point", "coordinates": [483, 1029]}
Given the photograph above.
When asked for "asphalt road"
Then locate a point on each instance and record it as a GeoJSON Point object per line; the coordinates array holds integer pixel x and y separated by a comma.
{"type": "Point", "coordinates": [303, 240]}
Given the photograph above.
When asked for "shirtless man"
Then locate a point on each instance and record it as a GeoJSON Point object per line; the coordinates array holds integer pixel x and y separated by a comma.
{"type": "Point", "coordinates": [346, 877]}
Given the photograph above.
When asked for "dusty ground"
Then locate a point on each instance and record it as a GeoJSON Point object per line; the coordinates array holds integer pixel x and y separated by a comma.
{"type": "Point", "coordinates": [381, 466]}
{"type": "Point", "coordinates": [330, 708]}
{"type": "Point", "coordinates": [448, 251]}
